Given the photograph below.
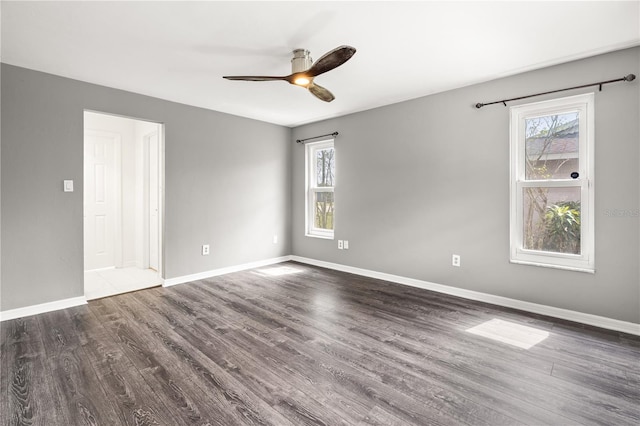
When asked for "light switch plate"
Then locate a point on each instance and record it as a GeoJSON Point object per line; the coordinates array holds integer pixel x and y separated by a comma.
{"type": "Point", "coordinates": [68, 186]}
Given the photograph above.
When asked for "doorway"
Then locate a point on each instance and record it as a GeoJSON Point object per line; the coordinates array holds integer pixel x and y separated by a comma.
{"type": "Point", "coordinates": [123, 193]}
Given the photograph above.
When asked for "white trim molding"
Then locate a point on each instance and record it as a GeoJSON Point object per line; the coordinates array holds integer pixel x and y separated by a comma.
{"type": "Point", "coordinates": [581, 317]}
{"type": "Point", "coordinates": [168, 282]}
{"type": "Point", "coordinates": [42, 308]}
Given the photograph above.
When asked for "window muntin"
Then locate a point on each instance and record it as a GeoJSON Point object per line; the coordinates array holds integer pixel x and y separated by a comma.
{"type": "Point", "coordinates": [552, 183]}
{"type": "Point", "coordinates": [320, 203]}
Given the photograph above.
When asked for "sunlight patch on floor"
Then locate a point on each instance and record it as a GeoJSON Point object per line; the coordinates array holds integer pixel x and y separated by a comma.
{"type": "Point", "coordinates": [511, 333]}
{"type": "Point", "coordinates": [278, 271]}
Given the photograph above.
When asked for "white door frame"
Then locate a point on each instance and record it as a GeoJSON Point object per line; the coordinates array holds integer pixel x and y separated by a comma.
{"type": "Point", "coordinates": [161, 205]}
{"type": "Point", "coordinates": [146, 255]}
{"type": "Point", "coordinates": [161, 194]}
{"type": "Point", "coordinates": [161, 201]}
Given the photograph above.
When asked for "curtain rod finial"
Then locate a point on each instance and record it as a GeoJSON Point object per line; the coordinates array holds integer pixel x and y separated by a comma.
{"type": "Point", "coordinates": [630, 77]}
{"type": "Point", "coordinates": [479, 105]}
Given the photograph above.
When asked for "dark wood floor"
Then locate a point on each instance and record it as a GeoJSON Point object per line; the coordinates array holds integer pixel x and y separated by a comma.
{"type": "Point", "coordinates": [312, 347]}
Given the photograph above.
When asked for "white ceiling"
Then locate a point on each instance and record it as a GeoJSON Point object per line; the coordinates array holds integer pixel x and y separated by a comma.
{"type": "Point", "coordinates": [180, 50]}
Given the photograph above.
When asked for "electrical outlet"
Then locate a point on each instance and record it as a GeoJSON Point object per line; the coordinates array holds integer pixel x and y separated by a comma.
{"type": "Point", "coordinates": [275, 239]}
{"type": "Point", "coordinates": [455, 260]}
{"type": "Point", "coordinates": [340, 244]}
{"type": "Point", "coordinates": [205, 249]}
{"type": "Point", "coordinates": [346, 244]}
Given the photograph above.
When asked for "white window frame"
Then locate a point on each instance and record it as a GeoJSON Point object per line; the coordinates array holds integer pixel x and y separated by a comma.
{"type": "Point", "coordinates": [584, 105]}
{"type": "Point", "coordinates": [312, 188]}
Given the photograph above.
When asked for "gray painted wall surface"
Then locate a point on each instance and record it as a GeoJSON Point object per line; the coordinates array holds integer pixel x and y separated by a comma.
{"type": "Point", "coordinates": [227, 183]}
{"type": "Point", "coordinates": [421, 180]}
{"type": "Point", "coordinates": [417, 181]}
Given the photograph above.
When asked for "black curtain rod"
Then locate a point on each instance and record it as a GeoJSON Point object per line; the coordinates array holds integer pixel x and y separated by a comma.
{"type": "Point", "coordinates": [629, 77]}
{"type": "Point", "coordinates": [334, 134]}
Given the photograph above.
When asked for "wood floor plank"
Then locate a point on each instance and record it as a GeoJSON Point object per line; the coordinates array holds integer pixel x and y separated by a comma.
{"type": "Point", "coordinates": [294, 344]}
{"type": "Point", "coordinates": [258, 305]}
{"type": "Point", "coordinates": [458, 355]}
{"type": "Point", "coordinates": [220, 387]}
{"type": "Point", "coordinates": [380, 417]}
{"type": "Point", "coordinates": [187, 399]}
{"type": "Point", "coordinates": [134, 401]}
{"type": "Point", "coordinates": [28, 391]}
{"type": "Point", "coordinates": [274, 384]}
{"type": "Point", "coordinates": [576, 394]}
{"type": "Point", "coordinates": [80, 390]}
{"type": "Point", "coordinates": [532, 386]}
{"type": "Point", "coordinates": [77, 382]}
{"type": "Point", "coordinates": [495, 418]}
{"type": "Point", "coordinates": [283, 356]}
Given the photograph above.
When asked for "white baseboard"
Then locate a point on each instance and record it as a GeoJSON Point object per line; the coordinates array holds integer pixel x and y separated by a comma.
{"type": "Point", "coordinates": [222, 271]}
{"type": "Point", "coordinates": [42, 308]}
{"type": "Point", "coordinates": [595, 320]}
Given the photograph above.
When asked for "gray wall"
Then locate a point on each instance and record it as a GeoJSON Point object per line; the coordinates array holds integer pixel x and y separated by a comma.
{"type": "Point", "coordinates": [420, 180]}
{"type": "Point", "coordinates": [417, 182]}
{"type": "Point", "coordinates": [227, 184]}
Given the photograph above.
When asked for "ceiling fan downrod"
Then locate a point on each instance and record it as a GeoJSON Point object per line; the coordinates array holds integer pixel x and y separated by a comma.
{"type": "Point", "coordinates": [301, 61]}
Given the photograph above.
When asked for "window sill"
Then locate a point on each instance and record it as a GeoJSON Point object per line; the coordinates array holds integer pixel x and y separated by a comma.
{"type": "Point", "coordinates": [323, 237]}
{"type": "Point", "coordinates": [547, 265]}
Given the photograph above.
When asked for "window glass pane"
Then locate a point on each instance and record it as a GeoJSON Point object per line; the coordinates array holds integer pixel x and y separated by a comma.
{"type": "Point", "coordinates": [552, 219]}
{"type": "Point", "coordinates": [325, 167]}
{"type": "Point", "coordinates": [551, 146]}
{"type": "Point", "coordinates": [323, 214]}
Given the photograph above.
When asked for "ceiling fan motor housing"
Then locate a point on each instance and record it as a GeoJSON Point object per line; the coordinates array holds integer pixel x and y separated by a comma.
{"type": "Point", "coordinates": [301, 61]}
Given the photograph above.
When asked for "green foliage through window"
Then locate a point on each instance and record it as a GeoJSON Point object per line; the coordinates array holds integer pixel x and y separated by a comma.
{"type": "Point", "coordinates": [562, 228]}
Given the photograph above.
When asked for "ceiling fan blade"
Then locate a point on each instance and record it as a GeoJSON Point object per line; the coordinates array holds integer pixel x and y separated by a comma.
{"type": "Point", "coordinates": [321, 93]}
{"type": "Point", "coordinates": [254, 78]}
{"type": "Point", "coordinates": [331, 60]}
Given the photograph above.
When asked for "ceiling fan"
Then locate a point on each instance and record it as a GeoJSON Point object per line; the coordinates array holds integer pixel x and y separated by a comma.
{"type": "Point", "coordinates": [304, 70]}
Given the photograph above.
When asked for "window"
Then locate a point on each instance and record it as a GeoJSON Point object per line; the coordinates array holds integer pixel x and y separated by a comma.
{"type": "Point", "coordinates": [552, 183]}
{"type": "Point", "coordinates": [321, 173]}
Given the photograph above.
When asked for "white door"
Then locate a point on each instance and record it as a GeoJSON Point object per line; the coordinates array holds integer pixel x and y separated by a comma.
{"type": "Point", "coordinates": [154, 200]}
{"type": "Point", "coordinates": [101, 198]}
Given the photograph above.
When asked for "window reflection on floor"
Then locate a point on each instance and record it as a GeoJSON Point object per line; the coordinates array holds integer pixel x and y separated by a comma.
{"type": "Point", "coordinates": [278, 271]}
{"type": "Point", "coordinates": [511, 333]}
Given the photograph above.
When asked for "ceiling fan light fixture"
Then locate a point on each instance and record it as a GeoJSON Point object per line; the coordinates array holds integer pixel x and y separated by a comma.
{"type": "Point", "coordinates": [304, 70]}
{"type": "Point", "coordinates": [302, 81]}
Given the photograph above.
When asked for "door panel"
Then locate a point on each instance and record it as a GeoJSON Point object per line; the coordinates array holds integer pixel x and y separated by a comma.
{"type": "Point", "coordinates": [101, 192]}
